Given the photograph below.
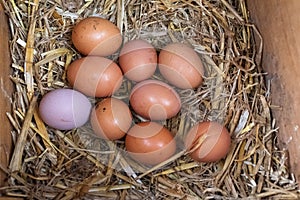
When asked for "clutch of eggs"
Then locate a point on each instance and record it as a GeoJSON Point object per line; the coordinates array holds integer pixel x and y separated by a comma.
{"type": "Point", "coordinates": [95, 75]}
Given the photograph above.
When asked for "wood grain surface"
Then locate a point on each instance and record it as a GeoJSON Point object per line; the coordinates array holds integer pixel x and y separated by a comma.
{"type": "Point", "coordinates": [279, 24]}
{"type": "Point", "coordinates": [5, 94]}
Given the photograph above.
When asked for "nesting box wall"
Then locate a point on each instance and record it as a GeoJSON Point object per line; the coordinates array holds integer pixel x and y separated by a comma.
{"type": "Point", "coordinates": [5, 94]}
{"type": "Point", "coordinates": [279, 24]}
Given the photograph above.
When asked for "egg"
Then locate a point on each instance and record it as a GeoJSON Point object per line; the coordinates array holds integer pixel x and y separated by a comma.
{"type": "Point", "coordinates": [150, 143]}
{"type": "Point", "coordinates": [96, 36]}
{"type": "Point", "coordinates": [155, 100]}
{"type": "Point", "coordinates": [208, 141]}
{"type": "Point", "coordinates": [138, 60]}
{"type": "Point", "coordinates": [64, 109]}
{"type": "Point", "coordinates": [95, 76]}
{"type": "Point", "coordinates": [111, 119]}
{"type": "Point", "coordinates": [181, 66]}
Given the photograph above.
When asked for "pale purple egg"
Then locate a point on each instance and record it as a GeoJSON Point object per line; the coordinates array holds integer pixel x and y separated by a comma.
{"type": "Point", "coordinates": [65, 109]}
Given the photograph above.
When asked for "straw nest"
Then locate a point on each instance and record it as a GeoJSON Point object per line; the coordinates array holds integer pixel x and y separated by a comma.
{"type": "Point", "coordinates": [51, 164]}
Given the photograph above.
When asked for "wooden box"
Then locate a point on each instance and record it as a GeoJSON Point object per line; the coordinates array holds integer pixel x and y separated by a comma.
{"type": "Point", "coordinates": [278, 22]}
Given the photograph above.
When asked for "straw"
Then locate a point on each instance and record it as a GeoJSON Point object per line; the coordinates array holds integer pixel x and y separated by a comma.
{"type": "Point", "coordinates": [76, 164]}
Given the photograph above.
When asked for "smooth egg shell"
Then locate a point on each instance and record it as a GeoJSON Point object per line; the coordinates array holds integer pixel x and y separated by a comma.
{"type": "Point", "coordinates": [96, 36]}
{"type": "Point", "coordinates": [138, 60]}
{"type": "Point", "coordinates": [215, 144]}
{"type": "Point", "coordinates": [155, 100]}
{"type": "Point", "coordinates": [181, 66]}
{"type": "Point", "coordinates": [95, 76]}
{"type": "Point", "coordinates": [150, 143]}
{"type": "Point", "coordinates": [64, 109]}
{"type": "Point", "coordinates": [111, 119]}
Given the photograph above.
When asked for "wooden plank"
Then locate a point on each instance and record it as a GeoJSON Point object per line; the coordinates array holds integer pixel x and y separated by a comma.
{"type": "Point", "coordinates": [279, 24]}
{"type": "Point", "coordinates": [5, 94]}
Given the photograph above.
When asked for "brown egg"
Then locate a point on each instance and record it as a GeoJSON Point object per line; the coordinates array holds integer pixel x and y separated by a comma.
{"type": "Point", "coordinates": [96, 36]}
{"type": "Point", "coordinates": [111, 119]}
{"type": "Point", "coordinates": [95, 76]}
{"type": "Point", "coordinates": [208, 141]}
{"type": "Point", "coordinates": [155, 100]}
{"type": "Point", "coordinates": [138, 60]}
{"type": "Point", "coordinates": [150, 143]}
{"type": "Point", "coordinates": [181, 66]}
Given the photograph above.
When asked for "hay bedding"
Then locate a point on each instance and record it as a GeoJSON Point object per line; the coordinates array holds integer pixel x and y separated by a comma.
{"type": "Point", "coordinates": [50, 164]}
